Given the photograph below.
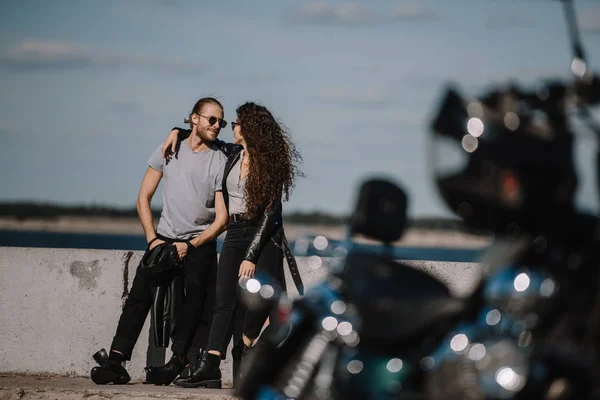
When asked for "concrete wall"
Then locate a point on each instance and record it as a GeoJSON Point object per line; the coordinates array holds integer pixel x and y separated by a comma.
{"type": "Point", "coordinates": [58, 306]}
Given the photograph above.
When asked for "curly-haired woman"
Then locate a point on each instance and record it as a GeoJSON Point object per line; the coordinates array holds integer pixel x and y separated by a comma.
{"type": "Point", "coordinates": [259, 173]}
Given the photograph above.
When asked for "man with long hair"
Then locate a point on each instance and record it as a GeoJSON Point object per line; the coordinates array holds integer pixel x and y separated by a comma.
{"type": "Point", "coordinates": [193, 215]}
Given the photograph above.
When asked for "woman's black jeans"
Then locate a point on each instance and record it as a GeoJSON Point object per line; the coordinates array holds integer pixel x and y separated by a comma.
{"type": "Point", "coordinates": [239, 236]}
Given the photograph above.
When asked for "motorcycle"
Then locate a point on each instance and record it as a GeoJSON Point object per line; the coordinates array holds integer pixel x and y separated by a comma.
{"type": "Point", "coordinates": [379, 329]}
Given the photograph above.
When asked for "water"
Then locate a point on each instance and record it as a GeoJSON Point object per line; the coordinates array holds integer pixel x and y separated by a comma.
{"type": "Point", "coordinates": [20, 238]}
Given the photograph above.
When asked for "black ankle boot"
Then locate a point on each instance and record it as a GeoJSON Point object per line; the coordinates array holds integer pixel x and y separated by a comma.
{"type": "Point", "coordinates": [238, 352]}
{"type": "Point", "coordinates": [167, 373]}
{"type": "Point", "coordinates": [101, 356]}
{"type": "Point", "coordinates": [206, 374]}
{"type": "Point", "coordinates": [109, 371]}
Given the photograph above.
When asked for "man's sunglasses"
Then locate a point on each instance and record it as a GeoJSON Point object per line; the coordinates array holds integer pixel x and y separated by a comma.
{"type": "Point", "coordinates": [214, 120]}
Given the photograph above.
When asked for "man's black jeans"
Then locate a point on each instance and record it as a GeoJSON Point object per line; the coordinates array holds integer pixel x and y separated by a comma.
{"type": "Point", "coordinates": [199, 270]}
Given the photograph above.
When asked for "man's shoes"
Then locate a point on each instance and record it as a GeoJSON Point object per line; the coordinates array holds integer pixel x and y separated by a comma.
{"type": "Point", "coordinates": [108, 371]}
{"type": "Point", "coordinates": [167, 373]}
{"type": "Point", "coordinates": [101, 356]}
{"type": "Point", "coordinates": [207, 374]}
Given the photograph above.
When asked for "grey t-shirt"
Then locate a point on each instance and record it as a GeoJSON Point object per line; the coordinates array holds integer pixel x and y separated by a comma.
{"type": "Point", "coordinates": [235, 189]}
{"type": "Point", "coordinates": [188, 194]}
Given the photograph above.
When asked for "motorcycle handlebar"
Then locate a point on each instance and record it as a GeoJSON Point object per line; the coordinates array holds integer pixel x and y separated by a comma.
{"type": "Point", "coordinates": [550, 95]}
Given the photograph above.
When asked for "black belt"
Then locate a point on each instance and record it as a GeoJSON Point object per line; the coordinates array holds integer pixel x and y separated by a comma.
{"type": "Point", "coordinates": [237, 217]}
{"type": "Point", "coordinates": [291, 260]}
{"type": "Point", "coordinates": [292, 265]}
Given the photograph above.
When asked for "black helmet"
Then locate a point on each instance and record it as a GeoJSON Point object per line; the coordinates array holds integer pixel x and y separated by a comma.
{"type": "Point", "coordinates": [512, 158]}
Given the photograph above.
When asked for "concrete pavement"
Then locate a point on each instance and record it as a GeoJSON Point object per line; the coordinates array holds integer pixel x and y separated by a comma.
{"type": "Point", "coordinates": [20, 387]}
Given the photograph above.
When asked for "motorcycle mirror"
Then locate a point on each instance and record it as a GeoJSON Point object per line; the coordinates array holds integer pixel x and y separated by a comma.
{"type": "Point", "coordinates": [573, 28]}
{"type": "Point", "coordinates": [380, 211]}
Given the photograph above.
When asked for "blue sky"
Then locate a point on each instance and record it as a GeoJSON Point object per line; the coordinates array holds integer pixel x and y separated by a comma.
{"type": "Point", "coordinates": [89, 88]}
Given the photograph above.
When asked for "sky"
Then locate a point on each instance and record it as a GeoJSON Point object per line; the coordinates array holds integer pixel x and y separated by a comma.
{"type": "Point", "coordinates": [88, 89]}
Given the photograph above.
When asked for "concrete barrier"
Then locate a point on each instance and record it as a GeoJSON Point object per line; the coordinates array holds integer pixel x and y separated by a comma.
{"type": "Point", "coordinates": [58, 306]}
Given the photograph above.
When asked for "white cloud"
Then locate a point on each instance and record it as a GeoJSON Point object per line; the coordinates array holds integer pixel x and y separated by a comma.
{"type": "Point", "coordinates": [412, 11]}
{"type": "Point", "coordinates": [512, 19]}
{"type": "Point", "coordinates": [352, 13]}
{"type": "Point", "coordinates": [325, 13]}
{"type": "Point", "coordinates": [356, 98]}
{"type": "Point", "coordinates": [32, 54]}
{"type": "Point", "coordinates": [36, 53]}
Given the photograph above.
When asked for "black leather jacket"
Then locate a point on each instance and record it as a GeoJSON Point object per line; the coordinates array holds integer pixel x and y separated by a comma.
{"type": "Point", "coordinates": [270, 225]}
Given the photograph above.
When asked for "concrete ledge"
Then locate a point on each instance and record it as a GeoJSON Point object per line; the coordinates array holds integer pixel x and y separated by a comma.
{"type": "Point", "coordinates": [58, 306]}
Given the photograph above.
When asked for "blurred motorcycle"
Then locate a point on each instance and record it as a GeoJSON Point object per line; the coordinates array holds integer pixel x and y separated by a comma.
{"type": "Point", "coordinates": [379, 329]}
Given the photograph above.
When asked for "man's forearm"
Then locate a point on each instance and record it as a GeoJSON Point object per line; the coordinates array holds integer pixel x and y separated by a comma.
{"type": "Point", "coordinates": [145, 214]}
{"type": "Point", "coordinates": [210, 233]}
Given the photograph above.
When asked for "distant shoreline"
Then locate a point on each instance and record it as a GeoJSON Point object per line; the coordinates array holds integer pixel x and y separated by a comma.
{"type": "Point", "coordinates": [53, 213]}
{"type": "Point", "coordinates": [414, 236]}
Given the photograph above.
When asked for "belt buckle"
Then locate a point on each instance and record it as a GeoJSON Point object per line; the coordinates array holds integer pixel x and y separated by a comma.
{"type": "Point", "coordinates": [237, 218]}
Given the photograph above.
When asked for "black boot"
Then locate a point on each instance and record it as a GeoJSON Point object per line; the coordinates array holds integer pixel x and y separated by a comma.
{"type": "Point", "coordinates": [207, 374]}
{"type": "Point", "coordinates": [167, 373]}
{"type": "Point", "coordinates": [193, 354]}
{"type": "Point", "coordinates": [109, 370]}
{"type": "Point", "coordinates": [238, 352]}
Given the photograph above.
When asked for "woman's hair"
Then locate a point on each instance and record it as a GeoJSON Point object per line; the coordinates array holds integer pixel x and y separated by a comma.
{"type": "Point", "coordinates": [199, 106]}
{"type": "Point", "coordinates": [273, 159]}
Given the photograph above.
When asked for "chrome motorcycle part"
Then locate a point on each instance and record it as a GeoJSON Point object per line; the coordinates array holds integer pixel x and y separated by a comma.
{"type": "Point", "coordinates": [297, 378]}
{"type": "Point", "coordinates": [485, 368]}
{"type": "Point", "coordinates": [519, 291]}
{"type": "Point", "coordinates": [371, 374]}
